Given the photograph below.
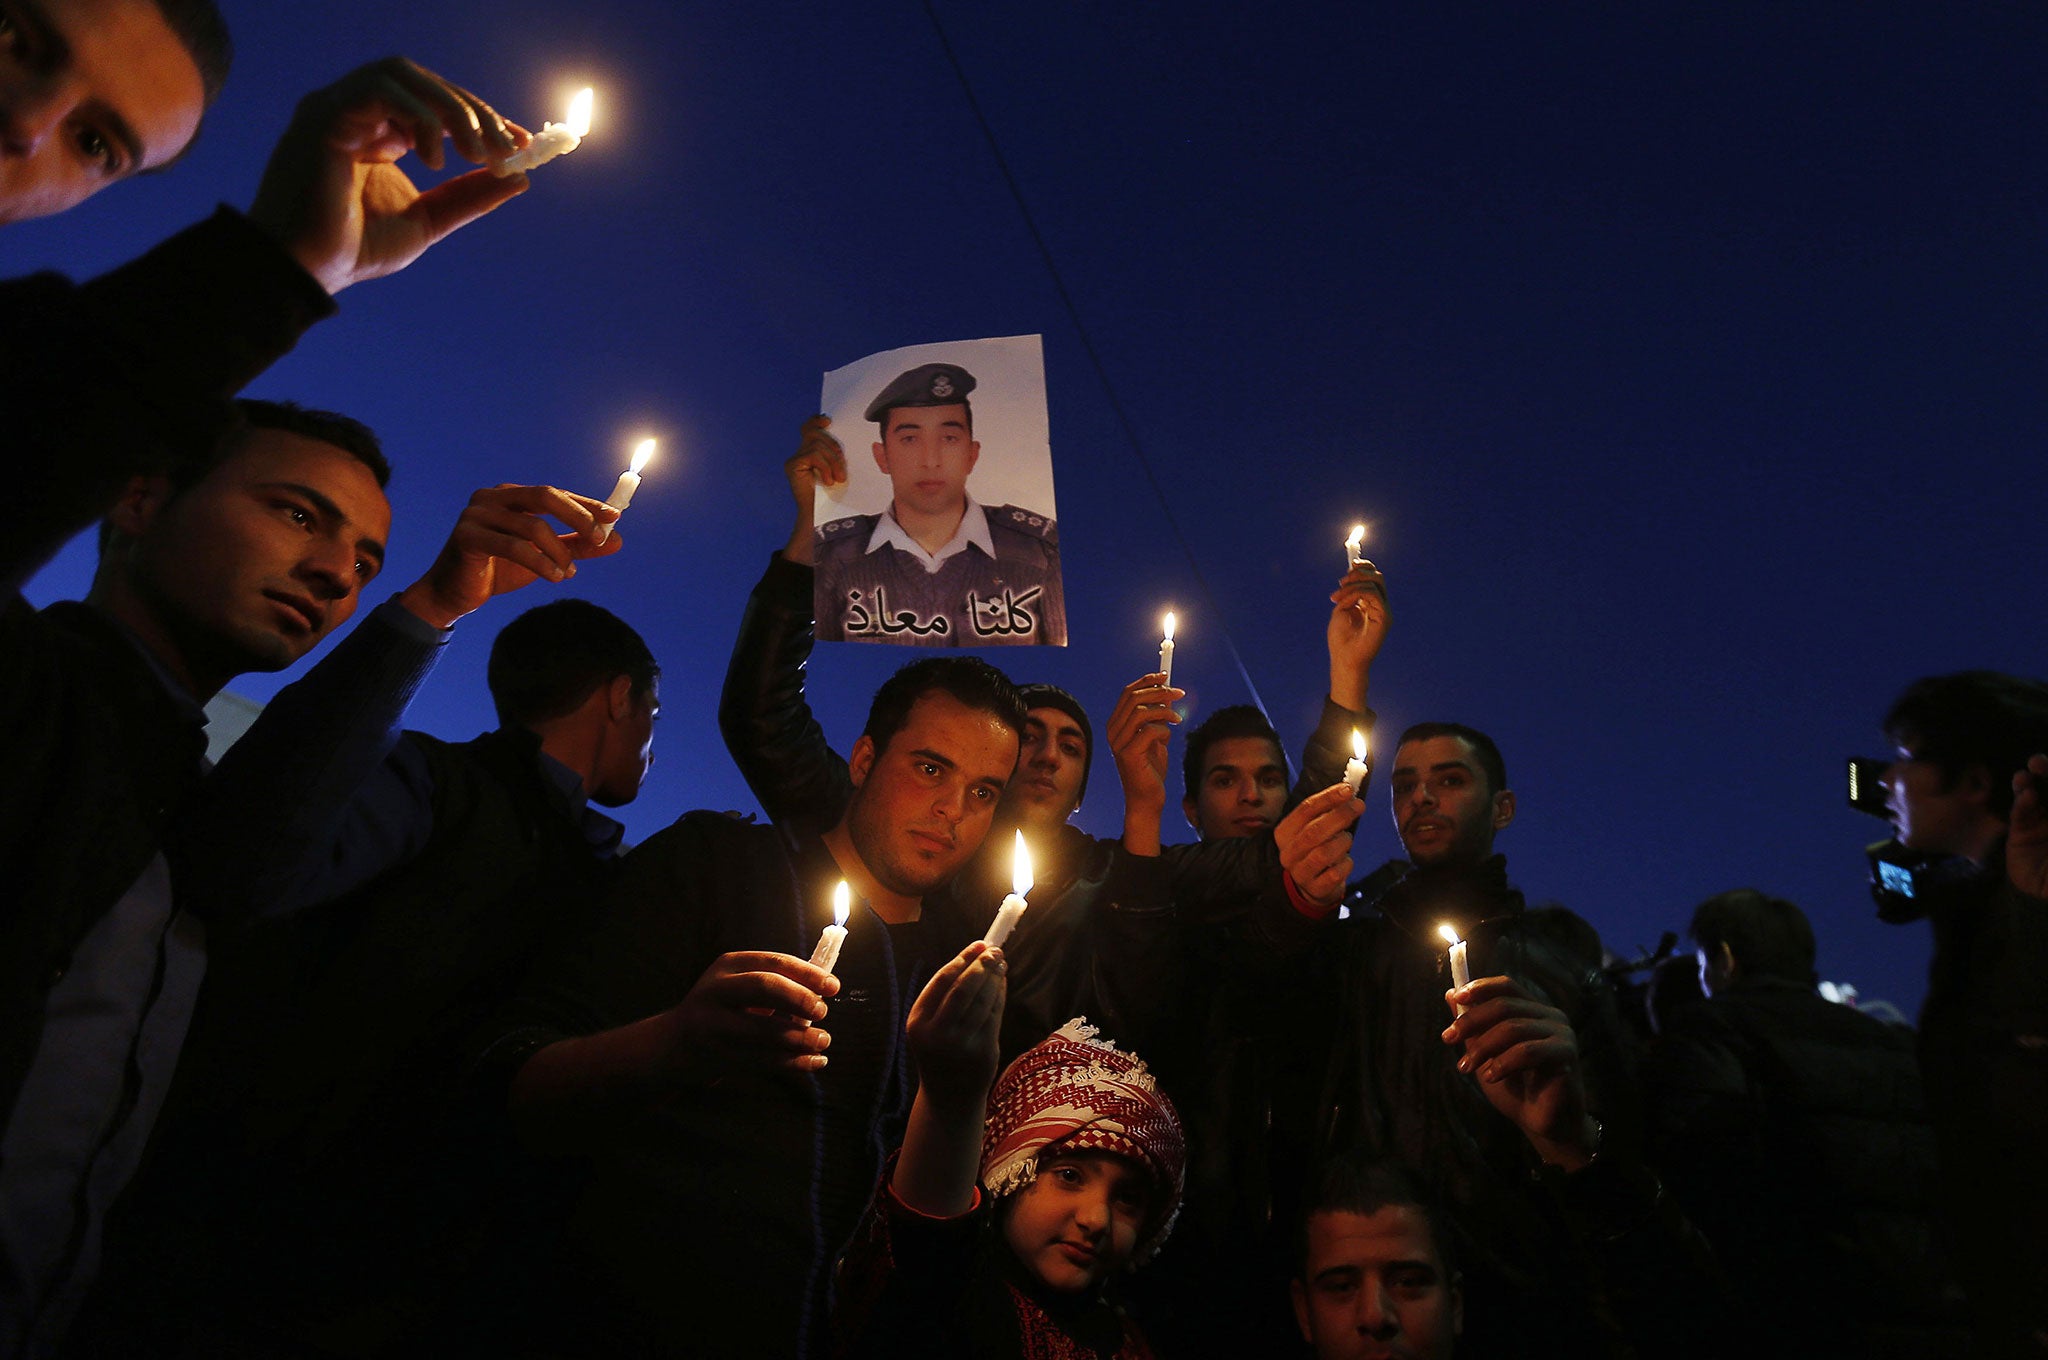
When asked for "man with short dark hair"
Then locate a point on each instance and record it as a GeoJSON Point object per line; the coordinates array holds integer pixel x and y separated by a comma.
{"type": "Point", "coordinates": [1374, 1271]}
{"type": "Point", "coordinates": [1235, 774]}
{"type": "Point", "coordinates": [683, 1050]}
{"type": "Point", "coordinates": [1965, 792]}
{"type": "Point", "coordinates": [107, 390]}
{"type": "Point", "coordinates": [314, 1122]}
{"type": "Point", "coordinates": [1746, 936]}
{"type": "Point", "coordinates": [1247, 1060]}
{"type": "Point", "coordinates": [1793, 1132]}
{"type": "Point", "coordinates": [1533, 1062]}
{"type": "Point", "coordinates": [245, 569]}
{"type": "Point", "coordinates": [103, 811]}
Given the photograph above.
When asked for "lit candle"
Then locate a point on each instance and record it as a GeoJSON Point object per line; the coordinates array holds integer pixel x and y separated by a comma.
{"type": "Point", "coordinates": [1461, 968]}
{"type": "Point", "coordinates": [1013, 906]}
{"type": "Point", "coordinates": [628, 483]}
{"type": "Point", "coordinates": [1352, 556]}
{"type": "Point", "coordinates": [1166, 651]}
{"type": "Point", "coordinates": [1355, 768]}
{"type": "Point", "coordinates": [826, 955]}
{"type": "Point", "coordinates": [556, 139]}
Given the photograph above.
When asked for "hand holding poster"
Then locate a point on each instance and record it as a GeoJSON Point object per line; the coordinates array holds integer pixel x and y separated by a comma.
{"type": "Point", "coordinates": [929, 542]}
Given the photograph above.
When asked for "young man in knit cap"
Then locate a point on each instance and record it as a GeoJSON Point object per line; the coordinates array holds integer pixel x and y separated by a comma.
{"type": "Point", "coordinates": [1006, 1216]}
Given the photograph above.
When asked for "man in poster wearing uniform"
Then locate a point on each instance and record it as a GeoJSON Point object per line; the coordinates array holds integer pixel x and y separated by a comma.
{"type": "Point", "coordinates": [937, 569]}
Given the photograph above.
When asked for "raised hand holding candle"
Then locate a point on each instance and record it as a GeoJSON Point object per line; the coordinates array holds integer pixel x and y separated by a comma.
{"type": "Point", "coordinates": [1352, 555]}
{"type": "Point", "coordinates": [1355, 768]}
{"type": "Point", "coordinates": [1013, 906]}
{"type": "Point", "coordinates": [826, 955]}
{"type": "Point", "coordinates": [628, 483]}
{"type": "Point", "coordinates": [556, 139]}
{"type": "Point", "coordinates": [1461, 968]}
{"type": "Point", "coordinates": [1166, 651]}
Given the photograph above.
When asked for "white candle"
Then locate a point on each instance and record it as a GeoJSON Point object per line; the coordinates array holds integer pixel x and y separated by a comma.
{"type": "Point", "coordinates": [628, 483]}
{"type": "Point", "coordinates": [1352, 556]}
{"type": "Point", "coordinates": [826, 955]}
{"type": "Point", "coordinates": [556, 139]}
{"type": "Point", "coordinates": [1461, 968]}
{"type": "Point", "coordinates": [1166, 651]}
{"type": "Point", "coordinates": [1355, 768]}
{"type": "Point", "coordinates": [1013, 906]}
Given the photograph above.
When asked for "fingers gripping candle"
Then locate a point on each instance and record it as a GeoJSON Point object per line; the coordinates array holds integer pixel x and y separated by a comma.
{"type": "Point", "coordinates": [1355, 768]}
{"type": "Point", "coordinates": [1461, 969]}
{"type": "Point", "coordinates": [1013, 906]}
{"type": "Point", "coordinates": [826, 955]}
{"type": "Point", "coordinates": [556, 139]}
{"type": "Point", "coordinates": [1166, 652]}
{"type": "Point", "coordinates": [628, 483]}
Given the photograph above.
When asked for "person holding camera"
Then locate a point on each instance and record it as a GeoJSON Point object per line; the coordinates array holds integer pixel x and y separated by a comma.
{"type": "Point", "coordinates": [1964, 791]}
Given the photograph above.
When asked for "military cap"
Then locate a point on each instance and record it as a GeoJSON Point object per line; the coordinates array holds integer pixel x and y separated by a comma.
{"type": "Point", "coordinates": [925, 385]}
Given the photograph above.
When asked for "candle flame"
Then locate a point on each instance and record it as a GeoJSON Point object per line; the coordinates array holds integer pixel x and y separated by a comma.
{"type": "Point", "coordinates": [1358, 745]}
{"type": "Point", "coordinates": [1021, 868]}
{"type": "Point", "coordinates": [1449, 934]}
{"type": "Point", "coordinates": [1169, 625]}
{"type": "Point", "coordinates": [579, 112]}
{"type": "Point", "coordinates": [1357, 537]}
{"type": "Point", "coordinates": [642, 452]}
{"type": "Point", "coordinates": [842, 900]}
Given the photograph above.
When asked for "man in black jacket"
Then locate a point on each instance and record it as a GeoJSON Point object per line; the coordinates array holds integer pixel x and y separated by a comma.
{"type": "Point", "coordinates": [1793, 1132]}
{"type": "Point", "coordinates": [316, 1178]}
{"type": "Point", "coordinates": [245, 568]}
{"type": "Point", "coordinates": [1516, 1119]}
{"type": "Point", "coordinates": [1966, 792]}
{"type": "Point", "coordinates": [116, 395]}
{"type": "Point", "coordinates": [732, 1124]}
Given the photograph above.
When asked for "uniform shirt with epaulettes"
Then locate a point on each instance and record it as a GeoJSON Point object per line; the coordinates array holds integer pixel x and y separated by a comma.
{"type": "Point", "coordinates": [996, 582]}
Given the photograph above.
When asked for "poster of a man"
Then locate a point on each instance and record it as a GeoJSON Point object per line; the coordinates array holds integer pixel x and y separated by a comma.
{"type": "Point", "coordinates": [932, 563]}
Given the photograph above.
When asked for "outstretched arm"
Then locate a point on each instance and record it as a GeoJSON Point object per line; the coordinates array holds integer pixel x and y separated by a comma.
{"type": "Point", "coordinates": [952, 1034]}
{"type": "Point", "coordinates": [1356, 631]}
{"type": "Point", "coordinates": [1659, 1273]}
{"type": "Point", "coordinates": [1524, 1056]}
{"type": "Point", "coordinates": [904, 1276]}
{"type": "Point", "coordinates": [1139, 728]}
{"type": "Point", "coordinates": [339, 799]}
{"type": "Point", "coordinates": [131, 373]}
{"type": "Point", "coordinates": [333, 195]}
{"type": "Point", "coordinates": [818, 461]}
{"type": "Point", "coordinates": [751, 1011]}
{"type": "Point", "coordinates": [768, 725]}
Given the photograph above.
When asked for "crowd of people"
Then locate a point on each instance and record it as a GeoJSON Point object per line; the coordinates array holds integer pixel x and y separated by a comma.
{"type": "Point", "coordinates": [368, 1042]}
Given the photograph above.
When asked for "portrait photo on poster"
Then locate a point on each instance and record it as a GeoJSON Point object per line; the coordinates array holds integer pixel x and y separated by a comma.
{"type": "Point", "coordinates": [945, 532]}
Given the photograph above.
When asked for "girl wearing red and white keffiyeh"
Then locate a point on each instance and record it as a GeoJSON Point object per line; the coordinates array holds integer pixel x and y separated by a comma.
{"type": "Point", "coordinates": [1000, 1224]}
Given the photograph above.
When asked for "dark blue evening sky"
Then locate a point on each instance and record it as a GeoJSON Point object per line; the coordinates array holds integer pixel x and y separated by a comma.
{"type": "Point", "coordinates": [1686, 360]}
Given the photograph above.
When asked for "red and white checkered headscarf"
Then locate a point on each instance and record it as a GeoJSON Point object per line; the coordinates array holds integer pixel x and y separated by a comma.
{"type": "Point", "coordinates": [1080, 1092]}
